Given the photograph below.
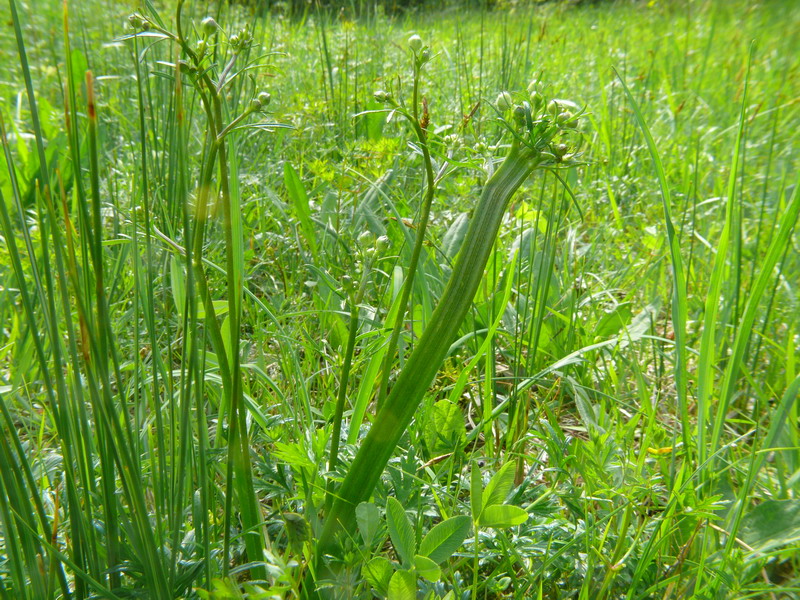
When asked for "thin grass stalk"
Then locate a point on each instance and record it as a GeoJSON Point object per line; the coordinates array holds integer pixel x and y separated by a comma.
{"type": "Point", "coordinates": [679, 300]}
{"type": "Point", "coordinates": [422, 227]}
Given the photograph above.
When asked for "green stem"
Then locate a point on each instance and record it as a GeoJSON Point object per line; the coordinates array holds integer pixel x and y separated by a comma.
{"type": "Point", "coordinates": [424, 362]}
{"type": "Point", "coordinates": [408, 284]}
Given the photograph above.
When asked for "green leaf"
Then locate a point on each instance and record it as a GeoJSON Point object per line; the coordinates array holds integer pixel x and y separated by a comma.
{"type": "Point", "coordinates": [476, 491]}
{"type": "Point", "coordinates": [611, 323]}
{"type": "Point", "coordinates": [455, 235]}
{"type": "Point", "coordinates": [502, 515]}
{"type": "Point", "coordinates": [378, 572]}
{"type": "Point", "coordinates": [426, 568]}
{"type": "Point", "coordinates": [445, 538]}
{"type": "Point", "coordinates": [772, 524]}
{"type": "Point", "coordinates": [445, 429]}
{"type": "Point", "coordinates": [368, 519]}
{"type": "Point", "coordinates": [499, 486]}
{"type": "Point", "coordinates": [403, 586]}
{"type": "Point", "coordinates": [299, 198]}
{"type": "Point", "coordinates": [400, 530]}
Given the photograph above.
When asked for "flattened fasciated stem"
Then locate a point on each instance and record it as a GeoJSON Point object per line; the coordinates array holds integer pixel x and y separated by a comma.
{"type": "Point", "coordinates": [424, 362]}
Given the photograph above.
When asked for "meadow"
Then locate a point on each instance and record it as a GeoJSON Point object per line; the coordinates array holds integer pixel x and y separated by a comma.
{"type": "Point", "coordinates": [466, 301]}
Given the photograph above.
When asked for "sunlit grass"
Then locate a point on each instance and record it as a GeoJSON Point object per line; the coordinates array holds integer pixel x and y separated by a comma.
{"type": "Point", "coordinates": [194, 301]}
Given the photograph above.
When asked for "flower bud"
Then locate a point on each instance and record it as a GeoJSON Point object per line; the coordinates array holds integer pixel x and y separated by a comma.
{"type": "Point", "coordinates": [519, 115]}
{"type": "Point", "coordinates": [145, 25]}
{"type": "Point", "coordinates": [234, 40]}
{"type": "Point", "coordinates": [348, 285]}
{"type": "Point", "coordinates": [255, 104]}
{"type": "Point", "coordinates": [415, 43]}
{"type": "Point", "coordinates": [209, 25]}
{"type": "Point", "coordinates": [425, 55]}
{"type": "Point", "coordinates": [366, 239]}
{"type": "Point", "coordinates": [136, 21]}
{"type": "Point", "coordinates": [537, 100]}
{"type": "Point", "coordinates": [382, 244]}
{"type": "Point", "coordinates": [533, 86]}
{"type": "Point", "coordinates": [560, 150]}
{"type": "Point", "coordinates": [563, 117]}
{"type": "Point", "coordinates": [382, 96]}
{"type": "Point", "coordinates": [553, 107]}
{"type": "Point", "coordinates": [201, 47]}
{"type": "Point", "coordinates": [264, 98]}
{"type": "Point", "coordinates": [503, 101]}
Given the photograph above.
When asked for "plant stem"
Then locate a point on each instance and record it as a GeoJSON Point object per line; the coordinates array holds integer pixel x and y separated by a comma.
{"type": "Point", "coordinates": [424, 362]}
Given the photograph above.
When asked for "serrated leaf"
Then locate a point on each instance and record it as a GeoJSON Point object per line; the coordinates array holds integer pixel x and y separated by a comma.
{"type": "Point", "coordinates": [476, 491]}
{"type": "Point", "coordinates": [378, 572]}
{"type": "Point", "coordinates": [400, 530]}
{"type": "Point", "coordinates": [368, 518]}
{"type": "Point", "coordinates": [426, 568]}
{"type": "Point", "coordinates": [445, 538]}
{"type": "Point", "coordinates": [502, 515]}
{"type": "Point", "coordinates": [403, 586]}
{"type": "Point", "coordinates": [499, 486]}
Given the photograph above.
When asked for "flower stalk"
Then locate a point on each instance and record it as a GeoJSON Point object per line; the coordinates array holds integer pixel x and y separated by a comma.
{"type": "Point", "coordinates": [423, 363]}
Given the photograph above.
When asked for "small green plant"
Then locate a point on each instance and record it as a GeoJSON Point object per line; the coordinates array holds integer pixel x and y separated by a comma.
{"type": "Point", "coordinates": [399, 580]}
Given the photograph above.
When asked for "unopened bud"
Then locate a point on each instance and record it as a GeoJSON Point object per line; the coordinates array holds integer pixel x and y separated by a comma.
{"type": "Point", "coordinates": [209, 25]}
{"type": "Point", "coordinates": [537, 100]}
{"type": "Point", "coordinates": [382, 96]}
{"type": "Point", "coordinates": [135, 20]}
{"type": "Point", "coordinates": [348, 285]}
{"type": "Point", "coordinates": [264, 98]}
{"type": "Point", "coordinates": [415, 43]}
{"type": "Point", "coordinates": [519, 115]}
{"type": "Point", "coordinates": [503, 101]}
{"type": "Point", "coordinates": [563, 117]}
{"type": "Point", "coordinates": [255, 104]}
{"type": "Point", "coordinates": [382, 244]}
{"type": "Point", "coordinates": [366, 239]}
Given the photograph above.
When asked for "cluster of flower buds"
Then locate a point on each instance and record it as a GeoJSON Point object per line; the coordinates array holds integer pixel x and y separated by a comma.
{"type": "Point", "coordinates": [139, 22]}
{"type": "Point", "coordinates": [241, 41]}
{"type": "Point", "coordinates": [421, 52]}
{"type": "Point", "coordinates": [260, 102]}
{"type": "Point", "coordinates": [372, 246]}
{"type": "Point", "coordinates": [383, 97]}
{"type": "Point", "coordinates": [547, 126]}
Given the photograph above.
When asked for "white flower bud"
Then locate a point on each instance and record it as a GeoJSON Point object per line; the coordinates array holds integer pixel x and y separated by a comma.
{"type": "Point", "coordinates": [209, 25]}
{"type": "Point", "coordinates": [382, 96]}
{"type": "Point", "coordinates": [264, 98]}
{"type": "Point", "coordinates": [504, 101]}
{"type": "Point", "coordinates": [366, 238]}
{"type": "Point", "coordinates": [415, 43]}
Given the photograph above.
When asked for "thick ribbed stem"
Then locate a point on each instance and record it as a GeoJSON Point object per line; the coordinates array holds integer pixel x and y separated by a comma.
{"type": "Point", "coordinates": [427, 357]}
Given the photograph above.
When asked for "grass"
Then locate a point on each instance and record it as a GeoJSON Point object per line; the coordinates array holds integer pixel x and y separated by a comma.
{"type": "Point", "coordinates": [602, 405]}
